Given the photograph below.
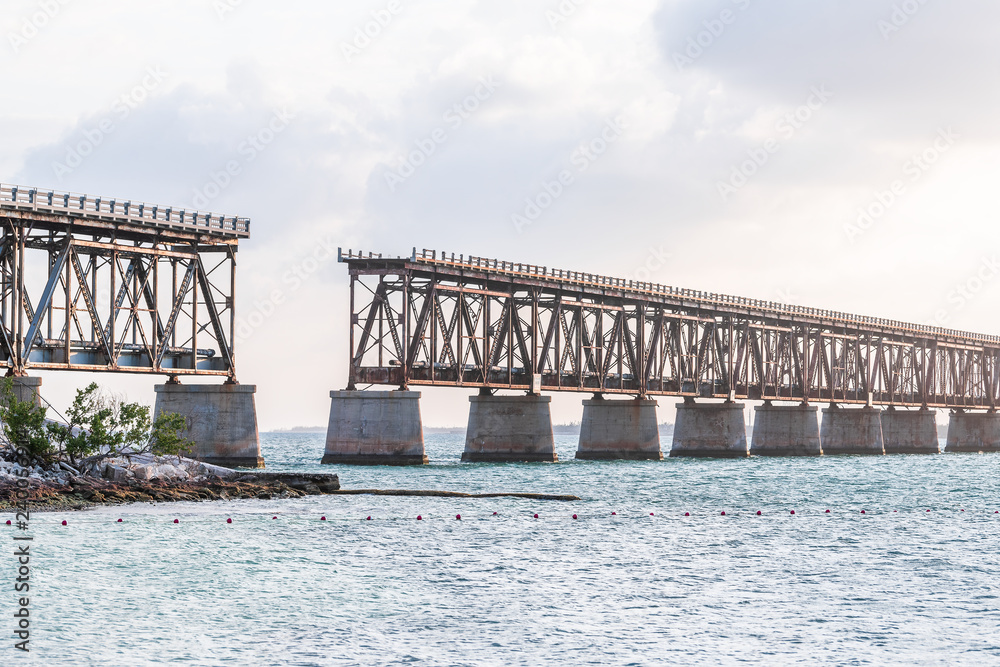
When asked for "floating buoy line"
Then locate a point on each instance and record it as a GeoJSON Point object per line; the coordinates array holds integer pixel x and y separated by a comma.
{"type": "Point", "coordinates": [705, 513]}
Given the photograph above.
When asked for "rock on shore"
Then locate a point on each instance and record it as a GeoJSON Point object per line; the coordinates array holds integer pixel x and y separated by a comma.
{"type": "Point", "coordinates": [147, 478]}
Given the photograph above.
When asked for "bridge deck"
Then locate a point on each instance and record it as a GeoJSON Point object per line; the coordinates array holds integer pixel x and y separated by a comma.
{"type": "Point", "coordinates": [80, 209]}
{"type": "Point", "coordinates": [434, 318]}
{"type": "Point", "coordinates": [95, 284]}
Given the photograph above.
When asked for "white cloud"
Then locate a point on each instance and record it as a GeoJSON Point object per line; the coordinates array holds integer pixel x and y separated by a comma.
{"type": "Point", "coordinates": [654, 187]}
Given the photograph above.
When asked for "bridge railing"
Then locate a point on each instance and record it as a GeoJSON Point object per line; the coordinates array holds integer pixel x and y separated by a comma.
{"type": "Point", "coordinates": [75, 204]}
{"type": "Point", "coordinates": [708, 298]}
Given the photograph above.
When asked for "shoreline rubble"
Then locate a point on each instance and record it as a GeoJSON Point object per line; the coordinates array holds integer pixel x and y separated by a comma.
{"type": "Point", "coordinates": [148, 478]}
{"type": "Point", "coordinates": [145, 478]}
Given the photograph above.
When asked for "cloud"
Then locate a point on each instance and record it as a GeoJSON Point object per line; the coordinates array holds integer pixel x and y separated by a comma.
{"type": "Point", "coordinates": [656, 185]}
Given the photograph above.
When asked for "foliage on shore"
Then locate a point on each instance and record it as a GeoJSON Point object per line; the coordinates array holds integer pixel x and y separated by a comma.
{"type": "Point", "coordinates": [97, 425]}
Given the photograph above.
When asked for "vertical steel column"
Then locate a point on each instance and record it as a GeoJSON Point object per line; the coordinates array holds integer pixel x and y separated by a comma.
{"type": "Point", "coordinates": [194, 313]}
{"type": "Point", "coordinates": [19, 299]}
{"type": "Point", "coordinates": [352, 373]}
{"type": "Point", "coordinates": [407, 333]}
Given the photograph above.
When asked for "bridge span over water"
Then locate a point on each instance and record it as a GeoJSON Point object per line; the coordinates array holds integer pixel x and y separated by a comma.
{"type": "Point", "coordinates": [438, 319]}
{"type": "Point", "coordinates": [112, 285]}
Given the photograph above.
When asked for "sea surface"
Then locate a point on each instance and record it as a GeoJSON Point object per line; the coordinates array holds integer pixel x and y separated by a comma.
{"type": "Point", "coordinates": [649, 573]}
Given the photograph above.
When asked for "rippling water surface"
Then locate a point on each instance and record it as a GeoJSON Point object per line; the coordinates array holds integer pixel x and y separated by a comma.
{"type": "Point", "coordinates": [647, 586]}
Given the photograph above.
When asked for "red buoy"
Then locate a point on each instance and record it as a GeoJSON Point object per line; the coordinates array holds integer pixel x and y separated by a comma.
{"type": "Point", "coordinates": [8, 522]}
{"type": "Point", "coordinates": [723, 512]}
{"type": "Point", "coordinates": [494, 514]}
{"type": "Point", "coordinates": [368, 519]}
{"type": "Point", "coordinates": [828, 511]}
{"type": "Point", "coordinates": [928, 510]}
{"type": "Point", "coordinates": [687, 514]}
{"type": "Point", "coordinates": [177, 520]}
{"type": "Point", "coordinates": [229, 520]}
{"type": "Point", "coordinates": [862, 511]}
{"type": "Point", "coordinates": [458, 517]}
{"type": "Point", "coordinates": [793, 511]}
{"type": "Point", "coordinates": [614, 514]}
{"type": "Point", "coordinates": [119, 520]}
{"type": "Point", "coordinates": [758, 512]}
{"type": "Point", "coordinates": [574, 516]}
{"type": "Point", "coordinates": [536, 516]}
{"type": "Point", "coordinates": [64, 522]}
{"type": "Point", "coordinates": [651, 514]}
{"type": "Point", "coordinates": [273, 517]}
{"type": "Point", "coordinates": [420, 518]}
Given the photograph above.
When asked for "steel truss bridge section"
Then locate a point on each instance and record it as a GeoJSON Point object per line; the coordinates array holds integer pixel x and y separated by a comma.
{"type": "Point", "coordinates": [433, 319]}
{"type": "Point", "coordinates": [95, 284]}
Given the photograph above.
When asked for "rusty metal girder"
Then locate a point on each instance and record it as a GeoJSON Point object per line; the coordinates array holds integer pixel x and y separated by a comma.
{"type": "Point", "coordinates": [475, 322]}
{"type": "Point", "coordinates": [99, 285]}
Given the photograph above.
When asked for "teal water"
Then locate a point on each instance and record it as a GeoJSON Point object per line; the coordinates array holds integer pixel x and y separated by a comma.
{"type": "Point", "coordinates": [897, 585]}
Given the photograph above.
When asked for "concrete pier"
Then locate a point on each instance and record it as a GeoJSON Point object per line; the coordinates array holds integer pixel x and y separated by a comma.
{"type": "Point", "coordinates": [973, 432]}
{"type": "Point", "coordinates": [910, 431]}
{"type": "Point", "coordinates": [619, 430]}
{"type": "Point", "coordinates": [786, 430]}
{"type": "Point", "coordinates": [222, 421]}
{"type": "Point", "coordinates": [27, 388]}
{"type": "Point", "coordinates": [852, 431]}
{"type": "Point", "coordinates": [375, 428]}
{"type": "Point", "coordinates": [509, 428]}
{"type": "Point", "coordinates": [710, 430]}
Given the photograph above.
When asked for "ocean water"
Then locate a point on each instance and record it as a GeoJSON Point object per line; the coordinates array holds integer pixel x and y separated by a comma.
{"type": "Point", "coordinates": [646, 586]}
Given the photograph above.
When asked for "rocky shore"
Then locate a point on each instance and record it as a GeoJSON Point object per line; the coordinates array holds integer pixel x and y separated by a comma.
{"type": "Point", "coordinates": [146, 478]}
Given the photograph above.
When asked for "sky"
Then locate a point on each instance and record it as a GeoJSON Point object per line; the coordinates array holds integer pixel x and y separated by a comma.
{"type": "Point", "coordinates": [836, 155]}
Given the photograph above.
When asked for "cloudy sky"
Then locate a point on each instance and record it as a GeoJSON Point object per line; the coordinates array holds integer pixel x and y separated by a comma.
{"type": "Point", "coordinates": [839, 155]}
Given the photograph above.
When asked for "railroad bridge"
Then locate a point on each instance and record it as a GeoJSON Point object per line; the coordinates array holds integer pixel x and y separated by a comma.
{"type": "Point", "coordinates": [433, 319]}
{"type": "Point", "coordinates": [109, 285]}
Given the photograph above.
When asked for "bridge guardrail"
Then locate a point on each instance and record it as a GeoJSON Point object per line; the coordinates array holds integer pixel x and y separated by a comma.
{"type": "Point", "coordinates": [576, 277]}
{"type": "Point", "coordinates": [75, 204]}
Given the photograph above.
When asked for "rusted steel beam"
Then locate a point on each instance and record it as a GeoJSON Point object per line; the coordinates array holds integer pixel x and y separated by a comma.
{"type": "Point", "coordinates": [486, 323]}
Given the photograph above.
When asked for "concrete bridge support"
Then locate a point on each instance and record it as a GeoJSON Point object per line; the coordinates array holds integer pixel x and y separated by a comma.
{"type": "Point", "coordinates": [786, 430]}
{"type": "Point", "coordinates": [509, 428]}
{"type": "Point", "coordinates": [910, 431]}
{"type": "Point", "coordinates": [973, 432]}
{"type": "Point", "coordinates": [27, 389]}
{"type": "Point", "coordinates": [852, 431]}
{"type": "Point", "coordinates": [619, 430]}
{"type": "Point", "coordinates": [709, 430]}
{"type": "Point", "coordinates": [221, 419]}
{"type": "Point", "coordinates": [375, 428]}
